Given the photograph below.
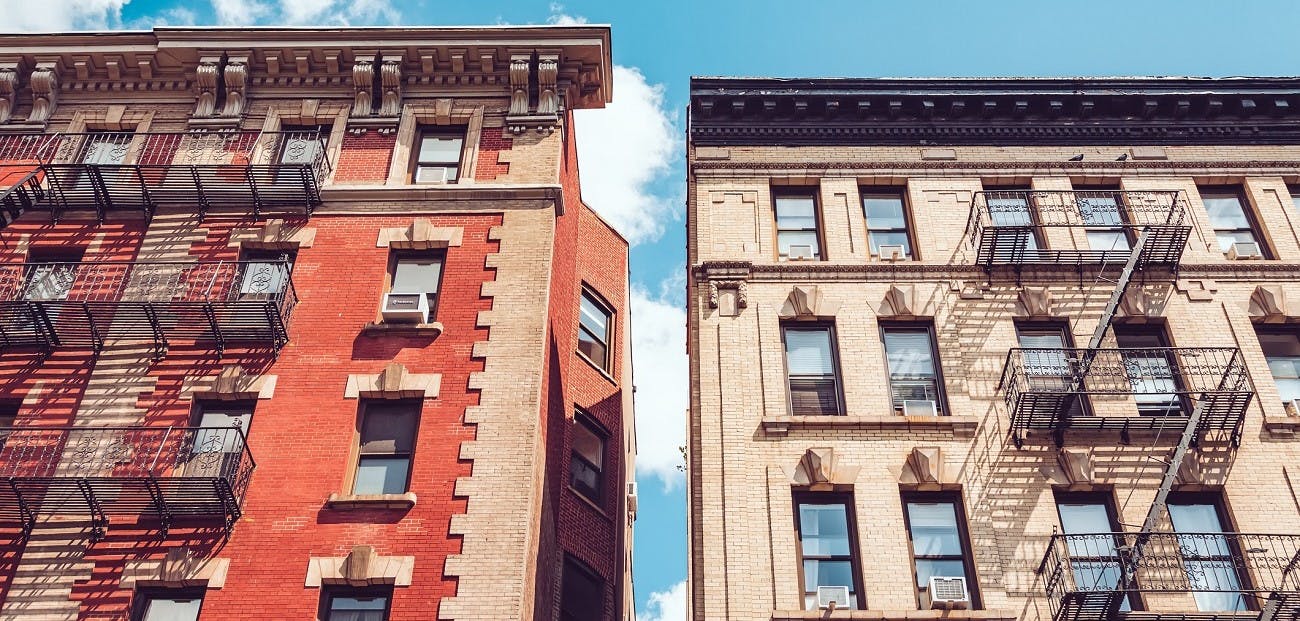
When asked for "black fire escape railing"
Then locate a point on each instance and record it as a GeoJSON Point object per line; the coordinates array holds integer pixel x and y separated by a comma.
{"type": "Point", "coordinates": [141, 171]}
{"type": "Point", "coordinates": [67, 305]}
{"type": "Point", "coordinates": [165, 472]}
{"type": "Point", "coordinates": [1016, 228]}
{"type": "Point", "coordinates": [1125, 389]}
{"type": "Point", "coordinates": [1222, 575]}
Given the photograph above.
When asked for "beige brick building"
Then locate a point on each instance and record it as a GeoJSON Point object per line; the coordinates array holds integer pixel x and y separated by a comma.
{"type": "Point", "coordinates": [1035, 339]}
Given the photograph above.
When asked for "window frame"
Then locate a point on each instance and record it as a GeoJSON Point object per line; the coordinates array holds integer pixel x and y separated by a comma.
{"type": "Point", "coordinates": [909, 226]}
{"type": "Point", "coordinates": [417, 405]}
{"type": "Point", "coordinates": [250, 256]}
{"type": "Point", "coordinates": [1036, 232]}
{"type": "Point", "coordinates": [780, 192]}
{"type": "Point", "coordinates": [421, 131]}
{"type": "Point", "coordinates": [801, 497]}
{"type": "Point", "coordinates": [582, 418]}
{"type": "Point", "coordinates": [330, 592]}
{"type": "Point", "coordinates": [1105, 498]}
{"type": "Point", "coordinates": [1247, 209]}
{"type": "Point", "coordinates": [1160, 331]}
{"type": "Point", "coordinates": [941, 391]}
{"type": "Point", "coordinates": [1218, 499]}
{"type": "Point", "coordinates": [395, 257]}
{"type": "Point", "coordinates": [1122, 210]}
{"type": "Point", "coordinates": [144, 596]}
{"type": "Point", "coordinates": [572, 562]}
{"type": "Point", "coordinates": [837, 375]}
{"type": "Point", "coordinates": [323, 132]}
{"type": "Point", "coordinates": [963, 533]}
{"type": "Point", "coordinates": [597, 300]}
{"type": "Point", "coordinates": [1276, 329]}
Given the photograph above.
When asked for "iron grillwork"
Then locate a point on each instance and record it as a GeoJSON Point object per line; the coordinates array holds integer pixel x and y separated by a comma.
{"type": "Point", "coordinates": [1057, 389]}
{"type": "Point", "coordinates": [54, 305]}
{"type": "Point", "coordinates": [165, 472]}
{"type": "Point", "coordinates": [1227, 575]}
{"type": "Point", "coordinates": [142, 171]}
{"type": "Point", "coordinates": [1010, 228]}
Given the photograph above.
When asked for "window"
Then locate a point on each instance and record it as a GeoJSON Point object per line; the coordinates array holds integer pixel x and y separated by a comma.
{"type": "Point", "coordinates": [828, 549]}
{"type": "Point", "coordinates": [812, 371]}
{"type": "Point", "coordinates": [50, 275]}
{"type": "Point", "coordinates": [418, 272]}
{"type": "Point", "coordinates": [437, 160]}
{"type": "Point", "coordinates": [1011, 207]}
{"type": "Point", "coordinates": [1094, 550]}
{"type": "Point", "coordinates": [594, 329]}
{"type": "Point", "coordinates": [1046, 354]}
{"type": "Point", "coordinates": [797, 232]}
{"type": "Point", "coordinates": [1151, 367]}
{"type": "Point", "coordinates": [1102, 211]}
{"type": "Point", "coordinates": [168, 605]}
{"type": "Point", "coordinates": [356, 605]}
{"type": "Point", "coordinates": [887, 221]}
{"type": "Point", "coordinates": [302, 144]}
{"type": "Point", "coordinates": [1281, 347]}
{"type": "Point", "coordinates": [387, 443]}
{"type": "Point", "coordinates": [914, 380]}
{"type": "Point", "coordinates": [1295, 198]}
{"type": "Point", "coordinates": [936, 529]}
{"type": "Point", "coordinates": [582, 593]}
{"type": "Point", "coordinates": [105, 147]}
{"type": "Point", "coordinates": [1210, 560]}
{"type": "Point", "coordinates": [216, 422]}
{"type": "Point", "coordinates": [1231, 221]}
{"type": "Point", "coordinates": [265, 273]}
{"type": "Point", "coordinates": [587, 462]}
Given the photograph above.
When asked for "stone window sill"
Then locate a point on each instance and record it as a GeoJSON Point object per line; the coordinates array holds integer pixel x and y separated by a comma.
{"type": "Point", "coordinates": [603, 373]}
{"type": "Point", "coordinates": [894, 615]}
{"type": "Point", "coordinates": [960, 426]}
{"type": "Point", "coordinates": [1282, 426]}
{"type": "Point", "coordinates": [380, 328]}
{"type": "Point", "coordinates": [347, 502]}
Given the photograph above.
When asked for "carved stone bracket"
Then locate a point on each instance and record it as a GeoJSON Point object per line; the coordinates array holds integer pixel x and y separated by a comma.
{"type": "Point", "coordinates": [1144, 302]}
{"type": "Point", "coordinates": [1034, 302]}
{"type": "Point", "coordinates": [273, 235]}
{"type": "Point", "coordinates": [819, 470]}
{"type": "Point", "coordinates": [394, 382]}
{"type": "Point", "coordinates": [178, 569]}
{"type": "Point", "coordinates": [1191, 471]}
{"type": "Point", "coordinates": [420, 235]}
{"type": "Point", "coordinates": [8, 90]}
{"type": "Point", "coordinates": [44, 83]}
{"type": "Point", "coordinates": [926, 469]}
{"type": "Point", "coordinates": [1268, 304]}
{"type": "Point", "coordinates": [361, 567]}
{"type": "Point", "coordinates": [519, 68]}
{"type": "Point", "coordinates": [807, 302]}
{"type": "Point", "coordinates": [363, 83]}
{"type": "Point", "coordinates": [235, 77]}
{"type": "Point", "coordinates": [232, 384]}
{"type": "Point", "coordinates": [390, 81]}
{"type": "Point", "coordinates": [545, 115]}
{"type": "Point", "coordinates": [728, 296]}
{"type": "Point", "coordinates": [901, 302]}
{"type": "Point", "coordinates": [206, 76]}
{"type": "Point", "coordinates": [548, 100]}
{"type": "Point", "coordinates": [1077, 466]}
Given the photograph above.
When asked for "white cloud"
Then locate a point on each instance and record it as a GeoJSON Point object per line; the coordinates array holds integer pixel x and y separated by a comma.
{"type": "Point", "coordinates": [560, 18]}
{"type": "Point", "coordinates": [306, 12]}
{"type": "Point", "coordinates": [240, 12]}
{"type": "Point", "coordinates": [60, 15]}
{"type": "Point", "coordinates": [660, 364]}
{"type": "Point", "coordinates": [622, 150]}
{"type": "Point", "coordinates": [667, 605]}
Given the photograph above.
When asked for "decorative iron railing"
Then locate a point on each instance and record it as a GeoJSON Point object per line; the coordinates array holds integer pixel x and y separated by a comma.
{"type": "Point", "coordinates": [1084, 575]}
{"type": "Point", "coordinates": [164, 471]}
{"type": "Point", "coordinates": [86, 303]}
{"type": "Point", "coordinates": [1054, 389]}
{"type": "Point", "coordinates": [1012, 227]}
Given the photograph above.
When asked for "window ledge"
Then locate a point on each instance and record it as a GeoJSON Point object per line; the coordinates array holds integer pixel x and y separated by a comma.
{"type": "Point", "coordinates": [1282, 426]}
{"type": "Point", "coordinates": [597, 367]}
{"type": "Point", "coordinates": [893, 615]}
{"type": "Point", "coordinates": [381, 328]}
{"type": "Point", "coordinates": [590, 503]}
{"type": "Point", "coordinates": [960, 426]}
{"type": "Point", "coordinates": [348, 502]}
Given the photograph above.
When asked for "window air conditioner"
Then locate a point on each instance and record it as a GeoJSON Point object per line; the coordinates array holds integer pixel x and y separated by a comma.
{"type": "Point", "coordinates": [920, 407]}
{"type": "Point", "coordinates": [631, 497]}
{"type": "Point", "coordinates": [406, 308]}
{"type": "Point", "coordinates": [948, 592]}
{"type": "Point", "coordinates": [832, 597]}
{"type": "Point", "coordinates": [798, 252]}
{"type": "Point", "coordinates": [892, 252]}
{"type": "Point", "coordinates": [1244, 250]}
{"type": "Point", "coordinates": [1293, 407]}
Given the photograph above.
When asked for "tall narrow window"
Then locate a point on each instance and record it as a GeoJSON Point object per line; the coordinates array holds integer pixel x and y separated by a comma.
{"type": "Point", "coordinates": [302, 144]}
{"type": "Point", "coordinates": [1103, 212]}
{"type": "Point", "coordinates": [1012, 208]}
{"type": "Point", "coordinates": [937, 531]}
{"type": "Point", "coordinates": [1281, 347]}
{"type": "Point", "coordinates": [582, 593]}
{"type": "Point", "coordinates": [1295, 198]}
{"type": "Point", "coordinates": [356, 604]}
{"type": "Point", "coordinates": [419, 273]}
{"type": "Point", "coordinates": [168, 605]}
{"type": "Point", "coordinates": [1232, 222]}
{"type": "Point", "coordinates": [594, 329]}
{"type": "Point", "coordinates": [587, 460]}
{"type": "Point", "coordinates": [438, 153]}
{"type": "Point", "coordinates": [1089, 523]}
{"type": "Point", "coordinates": [1210, 559]}
{"type": "Point", "coordinates": [914, 380]}
{"type": "Point", "coordinates": [387, 444]}
{"type": "Point", "coordinates": [1046, 355]}
{"type": "Point", "coordinates": [105, 148]}
{"type": "Point", "coordinates": [265, 273]}
{"type": "Point", "coordinates": [222, 428]}
{"type": "Point", "coordinates": [812, 370]}
{"type": "Point", "coordinates": [828, 548]}
{"type": "Point", "coordinates": [797, 234]}
{"type": "Point", "coordinates": [1152, 369]}
{"type": "Point", "coordinates": [50, 275]}
{"type": "Point", "coordinates": [887, 223]}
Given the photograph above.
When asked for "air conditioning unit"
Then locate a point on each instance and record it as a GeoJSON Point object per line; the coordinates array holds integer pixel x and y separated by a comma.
{"type": "Point", "coordinates": [948, 593]}
{"type": "Point", "coordinates": [893, 252]}
{"type": "Point", "coordinates": [631, 497]}
{"type": "Point", "coordinates": [1293, 407]}
{"type": "Point", "coordinates": [800, 252]}
{"type": "Point", "coordinates": [406, 308]}
{"type": "Point", "coordinates": [832, 597]}
{"type": "Point", "coordinates": [920, 407]}
{"type": "Point", "coordinates": [1245, 250]}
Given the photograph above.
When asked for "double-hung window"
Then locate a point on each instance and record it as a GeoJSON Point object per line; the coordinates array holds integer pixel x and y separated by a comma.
{"type": "Point", "coordinates": [419, 272]}
{"type": "Point", "coordinates": [1210, 558]}
{"type": "Point", "coordinates": [1152, 369]}
{"type": "Point", "coordinates": [587, 461]}
{"type": "Point", "coordinates": [1044, 351]}
{"type": "Point", "coordinates": [1102, 212]}
{"type": "Point", "coordinates": [582, 593]}
{"type": "Point", "coordinates": [915, 384]}
{"type": "Point", "coordinates": [812, 370]}
{"type": "Point", "coordinates": [1013, 208]}
{"type": "Point", "coordinates": [887, 223]}
{"type": "Point", "coordinates": [828, 549]}
{"type": "Point", "coordinates": [1232, 222]}
{"type": "Point", "coordinates": [356, 604]}
{"type": "Point", "coordinates": [387, 444]}
{"type": "Point", "coordinates": [222, 432]}
{"type": "Point", "coordinates": [1281, 347]}
{"type": "Point", "coordinates": [798, 235]}
{"type": "Point", "coordinates": [438, 154]}
{"type": "Point", "coordinates": [168, 605]}
{"type": "Point", "coordinates": [1089, 524]}
{"type": "Point", "coordinates": [936, 529]}
{"type": "Point", "coordinates": [594, 322]}
{"type": "Point", "coordinates": [265, 273]}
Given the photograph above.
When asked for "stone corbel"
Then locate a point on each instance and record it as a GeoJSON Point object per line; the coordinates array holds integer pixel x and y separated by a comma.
{"type": "Point", "coordinates": [178, 569]}
{"type": "Point", "coordinates": [1034, 302]}
{"type": "Point", "coordinates": [394, 382]}
{"type": "Point", "coordinates": [901, 302]}
{"type": "Point", "coordinates": [1140, 304]}
{"type": "Point", "coordinates": [273, 235]}
{"type": "Point", "coordinates": [206, 76]}
{"type": "Point", "coordinates": [728, 296]}
{"type": "Point", "coordinates": [8, 90]}
{"type": "Point", "coordinates": [1075, 468]}
{"type": "Point", "coordinates": [926, 469]}
{"type": "Point", "coordinates": [819, 470]}
{"type": "Point", "coordinates": [235, 77]}
{"type": "Point", "coordinates": [420, 235]}
{"type": "Point", "coordinates": [361, 567]}
{"type": "Point", "coordinates": [519, 70]}
{"type": "Point", "coordinates": [548, 99]}
{"type": "Point", "coordinates": [363, 81]}
{"type": "Point", "coordinates": [1191, 472]}
{"type": "Point", "coordinates": [807, 302]}
{"type": "Point", "coordinates": [390, 80]}
{"type": "Point", "coordinates": [1268, 305]}
{"type": "Point", "coordinates": [44, 83]}
{"type": "Point", "coordinates": [232, 384]}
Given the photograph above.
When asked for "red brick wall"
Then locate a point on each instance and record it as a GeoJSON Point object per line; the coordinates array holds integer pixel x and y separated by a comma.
{"type": "Point", "coordinates": [491, 143]}
{"type": "Point", "coordinates": [365, 158]}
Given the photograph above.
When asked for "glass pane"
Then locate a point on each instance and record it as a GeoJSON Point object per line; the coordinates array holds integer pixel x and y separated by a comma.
{"type": "Point", "coordinates": [1098, 576]}
{"type": "Point", "coordinates": [1099, 210]}
{"type": "Point", "coordinates": [1226, 212]}
{"type": "Point", "coordinates": [582, 595]}
{"type": "Point", "coordinates": [796, 212]}
{"type": "Point", "coordinates": [813, 397]}
{"type": "Point", "coordinates": [824, 530]}
{"type": "Point", "coordinates": [436, 174]}
{"type": "Point", "coordinates": [882, 238]}
{"type": "Point", "coordinates": [884, 212]}
{"type": "Point", "coordinates": [217, 430]}
{"type": "Point", "coordinates": [934, 529]}
{"type": "Point", "coordinates": [926, 569]}
{"type": "Point", "coordinates": [1195, 518]}
{"type": "Point", "coordinates": [829, 573]}
{"type": "Point", "coordinates": [381, 475]}
{"type": "Point", "coordinates": [1013, 211]}
{"type": "Point", "coordinates": [1083, 518]}
{"type": "Point", "coordinates": [804, 243]}
{"type": "Point", "coordinates": [173, 609]}
{"type": "Point", "coordinates": [1152, 381]}
{"type": "Point", "coordinates": [808, 352]}
{"type": "Point", "coordinates": [584, 478]}
{"type": "Point", "coordinates": [1228, 238]}
{"type": "Point", "coordinates": [1289, 389]}
{"type": "Point", "coordinates": [589, 445]}
{"type": "Point", "coordinates": [1108, 240]}
{"type": "Point", "coordinates": [591, 348]}
{"type": "Point", "coordinates": [440, 149]}
{"type": "Point", "coordinates": [106, 149]}
{"type": "Point", "coordinates": [594, 318]}
{"type": "Point", "coordinates": [417, 275]}
{"type": "Point", "coordinates": [909, 353]}
{"type": "Point", "coordinates": [1215, 585]}
{"type": "Point", "coordinates": [1279, 344]}
{"type": "Point", "coordinates": [389, 427]}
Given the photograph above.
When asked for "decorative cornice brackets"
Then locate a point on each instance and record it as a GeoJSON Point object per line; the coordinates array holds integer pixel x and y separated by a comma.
{"type": "Point", "coordinates": [8, 89]}
{"type": "Point", "coordinates": [388, 64]}
{"type": "Point", "coordinates": [44, 83]}
{"type": "Point", "coordinates": [206, 76]}
{"type": "Point", "coordinates": [728, 296]}
{"type": "Point", "coordinates": [545, 116]}
{"type": "Point", "coordinates": [363, 84]}
{"type": "Point", "coordinates": [235, 77]}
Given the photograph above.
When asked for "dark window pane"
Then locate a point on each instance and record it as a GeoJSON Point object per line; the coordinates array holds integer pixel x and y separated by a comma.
{"type": "Point", "coordinates": [591, 348]}
{"type": "Point", "coordinates": [381, 475]}
{"type": "Point", "coordinates": [582, 594]}
{"type": "Point", "coordinates": [587, 461]}
{"type": "Point", "coordinates": [388, 429]}
{"type": "Point", "coordinates": [358, 608]}
{"type": "Point", "coordinates": [813, 396]}
{"type": "Point", "coordinates": [808, 351]}
{"type": "Point", "coordinates": [594, 330]}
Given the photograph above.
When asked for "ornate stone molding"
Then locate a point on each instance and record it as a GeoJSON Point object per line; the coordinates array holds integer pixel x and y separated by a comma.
{"type": "Point", "coordinates": [274, 235]}
{"type": "Point", "coordinates": [519, 68]}
{"type": "Point", "coordinates": [206, 76]}
{"type": "Point", "coordinates": [420, 235]}
{"type": "Point", "coordinates": [361, 567]}
{"type": "Point", "coordinates": [728, 296]}
{"type": "Point", "coordinates": [1077, 466]}
{"type": "Point", "coordinates": [1034, 302]}
{"type": "Point", "coordinates": [233, 383]}
{"type": "Point", "coordinates": [235, 77]}
{"type": "Point", "coordinates": [179, 568]}
{"type": "Point", "coordinates": [925, 468]}
{"type": "Point", "coordinates": [807, 302]}
{"type": "Point", "coordinates": [8, 90]}
{"type": "Point", "coordinates": [363, 84]}
{"type": "Point", "coordinates": [1268, 304]}
{"type": "Point", "coordinates": [548, 99]}
{"type": "Point", "coordinates": [902, 302]}
{"type": "Point", "coordinates": [390, 81]}
{"type": "Point", "coordinates": [820, 470]}
{"type": "Point", "coordinates": [44, 83]}
{"type": "Point", "coordinates": [394, 382]}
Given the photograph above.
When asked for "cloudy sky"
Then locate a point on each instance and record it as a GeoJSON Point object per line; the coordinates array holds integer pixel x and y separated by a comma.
{"type": "Point", "coordinates": [631, 154]}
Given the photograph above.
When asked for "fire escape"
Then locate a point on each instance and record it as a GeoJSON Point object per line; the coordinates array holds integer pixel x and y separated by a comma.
{"type": "Point", "coordinates": [1089, 577]}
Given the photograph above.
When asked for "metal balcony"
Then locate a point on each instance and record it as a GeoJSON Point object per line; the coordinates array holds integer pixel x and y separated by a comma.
{"type": "Point", "coordinates": [142, 171]}
{"type": "Point", "coordinates": [1125, 389]}
{"type": "Point", "coordinates": [1022, 228]}
{"type": "Point", "coordinates": [1180, 576]}
{"type": "Point", "coordinates": [68, 305]}
{"type": "Point", "coordinates": [164, 472]}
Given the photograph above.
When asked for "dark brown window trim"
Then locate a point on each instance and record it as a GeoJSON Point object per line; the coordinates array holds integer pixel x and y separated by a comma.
{"type": "Point", "coordinates": [855, 551]}
{"type": "Point", "coordinates": [1106, 499]}
{"type": "Point", "coordinates": [395, 256]}
{"type": "Point", "coordinates": [1247, 208]}
{"type": "Point", "coordinates": [941, 391]}
{"type": "Point", "coordinates": [909, 222]}
{"type": "Point", "coordinates": [611, 330]}
{"type": "Point", "coordinates": [330, 592]}
{"type": "Point", "coordinates": [963, 531]}
{"type": "Point", "coordinates": [799, 191]}
{"type": "Point", "coordinates": [1219, 500]}
{"type": "Point", "coordinates": [437, 130]}
{"type": "Point", "coordinates": [837, 376]}
{"type": "Point", "coordinates": [580, 417]}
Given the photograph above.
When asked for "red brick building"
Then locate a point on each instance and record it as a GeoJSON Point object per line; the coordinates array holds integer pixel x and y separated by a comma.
{"type": "Point", "coordinates": [309, 324]}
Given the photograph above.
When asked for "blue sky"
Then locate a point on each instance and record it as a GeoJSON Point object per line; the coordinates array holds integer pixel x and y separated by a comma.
{"type": "Point", "coordinates": [632, 154]}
